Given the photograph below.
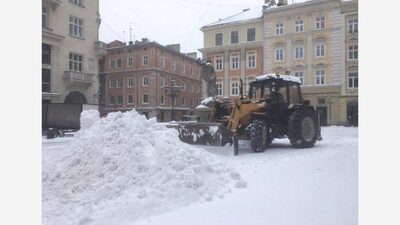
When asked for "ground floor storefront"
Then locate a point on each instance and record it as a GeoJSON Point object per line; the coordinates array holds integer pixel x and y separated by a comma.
{"type": "Point", "coordinates": [334, 108]}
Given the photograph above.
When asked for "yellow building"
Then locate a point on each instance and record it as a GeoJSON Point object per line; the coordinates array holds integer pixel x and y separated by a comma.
{"type": "Point", "coordinates": [312, 40]}
{"type": "Point", "coordinates": [234, 46]}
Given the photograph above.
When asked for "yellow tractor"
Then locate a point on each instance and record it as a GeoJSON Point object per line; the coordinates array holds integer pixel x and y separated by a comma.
{"type": "Point", "coordinates": [273, 108]}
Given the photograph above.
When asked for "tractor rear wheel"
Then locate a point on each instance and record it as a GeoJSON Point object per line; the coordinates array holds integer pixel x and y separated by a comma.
{"type": "Point", "coordinates": [303, 128]}
{"type": "Point", "coordinates": [259, 135]}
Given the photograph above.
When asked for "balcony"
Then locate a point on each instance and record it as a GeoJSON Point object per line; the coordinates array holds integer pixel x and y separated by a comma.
{"type": "Point", "coordinates": [101, 48]}
{"type": "Point", "coordinates": [53, 3]}
{"type": "Point", "coordinates": [76, 77]}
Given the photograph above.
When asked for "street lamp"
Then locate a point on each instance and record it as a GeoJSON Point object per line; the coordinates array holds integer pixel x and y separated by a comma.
{"type": "Point", "coordinates": [172, 91]}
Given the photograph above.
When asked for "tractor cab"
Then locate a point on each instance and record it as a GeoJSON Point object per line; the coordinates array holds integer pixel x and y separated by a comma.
{"type": "Point", "coordinates": [275, 89]}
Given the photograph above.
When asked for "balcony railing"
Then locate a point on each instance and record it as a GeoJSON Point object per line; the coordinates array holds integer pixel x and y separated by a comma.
{"type": "Point", "coordinates": [76, 76]}
{"type": "Point", "coordinates": [101, 48]}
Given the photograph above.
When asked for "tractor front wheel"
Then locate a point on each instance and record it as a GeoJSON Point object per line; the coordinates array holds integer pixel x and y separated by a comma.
{"type": "Point", "coordinates": [258, 135]}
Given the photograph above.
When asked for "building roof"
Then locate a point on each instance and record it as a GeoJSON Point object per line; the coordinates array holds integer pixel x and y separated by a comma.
{"type": "Point", "coordinates": [116, 45]}
{"type": "Point", "coordinates": [245, 15]}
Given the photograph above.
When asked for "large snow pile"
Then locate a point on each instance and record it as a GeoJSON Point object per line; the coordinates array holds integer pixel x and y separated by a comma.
{"type": "Point", "coordinates": [88, 118]}
{"type": "Point", "coordinates": [125, 166]}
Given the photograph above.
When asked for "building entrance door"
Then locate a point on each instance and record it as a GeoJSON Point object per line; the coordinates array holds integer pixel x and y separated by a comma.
{"type": "Point", "coordinates": [352, 113]}
{"type": "Point", "coordinates": [162, 116]}
{"type": "Point", "coordinates": [323, 115]}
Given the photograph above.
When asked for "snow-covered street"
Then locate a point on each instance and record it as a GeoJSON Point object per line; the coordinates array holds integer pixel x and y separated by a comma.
{"type": "Point", "coordinates": [284, 185]}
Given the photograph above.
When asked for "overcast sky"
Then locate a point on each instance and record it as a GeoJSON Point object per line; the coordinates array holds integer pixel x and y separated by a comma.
{"type": "Point", "coordinates": [166, 21]}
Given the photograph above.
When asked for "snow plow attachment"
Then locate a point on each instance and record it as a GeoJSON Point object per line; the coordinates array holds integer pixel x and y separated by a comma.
{"type": "Point", "coordinates": [202, 133]}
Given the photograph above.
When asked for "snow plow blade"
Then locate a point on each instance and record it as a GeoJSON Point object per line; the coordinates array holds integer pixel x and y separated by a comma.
{"type": "Point", "coordinates": [202, 133]}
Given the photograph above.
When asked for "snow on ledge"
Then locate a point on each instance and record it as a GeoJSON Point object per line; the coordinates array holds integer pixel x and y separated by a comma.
{"type": "Point", "coordinates": [284, 77]}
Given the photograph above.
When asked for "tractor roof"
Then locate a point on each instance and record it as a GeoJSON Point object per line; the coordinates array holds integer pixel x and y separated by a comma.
{"type": "Point", "coordinates": [289, 78]}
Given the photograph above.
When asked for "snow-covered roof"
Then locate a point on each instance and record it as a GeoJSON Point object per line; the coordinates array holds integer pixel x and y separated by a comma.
{"type": "Point", "coordinates": [274, 76]}
{"type": "Point", "coordinates": [246, 14]}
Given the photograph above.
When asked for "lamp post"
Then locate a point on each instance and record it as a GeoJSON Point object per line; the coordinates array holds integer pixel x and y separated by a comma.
{"type": "Point", "coordinates": [172, 91]}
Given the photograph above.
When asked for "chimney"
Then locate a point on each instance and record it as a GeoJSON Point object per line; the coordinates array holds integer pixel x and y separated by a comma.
{"type": "Point", "coordinates": [192, 55]}
{"type": "Point", "coordinates": [145, 40]}
{"type": "Point", "coordinates": [175, 47]}
{"type": "Point", "coordinates": [130, 42]}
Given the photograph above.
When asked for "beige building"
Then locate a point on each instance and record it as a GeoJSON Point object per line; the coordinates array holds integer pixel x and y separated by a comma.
{"type": "Point", "coordinates": [234, 47]}
{"type": "Point", "coordinates": [312, 40]}
{"type": "Point", "coordinates": [70, 51]}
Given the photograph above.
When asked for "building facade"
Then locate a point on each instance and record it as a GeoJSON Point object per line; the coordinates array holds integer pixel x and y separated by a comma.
{"type": "Point", "coordinates": [137, 76]}
{"type": "Point", "coordinates": [310, 40]}
{"type": "Point", "coordinates": [234, 46]}
{"type": "Point", "coordinates": [70, 51]}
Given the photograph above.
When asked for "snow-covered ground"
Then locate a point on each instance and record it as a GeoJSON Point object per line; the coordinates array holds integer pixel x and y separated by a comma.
{"type": "Point", "coordinates": [285, 186]}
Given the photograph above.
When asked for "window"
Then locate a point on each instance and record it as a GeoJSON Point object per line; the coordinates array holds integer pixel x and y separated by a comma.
{"type": "Point", "coordinates": [130, 99]}
{"type": "Point", "coordinates": [162, 62]}
{"type": "Point", "coordinates": [320, 77]}
{"type": "Point", "coordinates": [218, 39]}
{"type": "Point", "coordinates": [145, 99]}
{"type": "Point", "coordinates": [191, 102]}
{"type": "Point", "coordinates": [300, 75]}
{"type": "Point", "coordinates": [320, 50]}
{"type": "Point", "coordinates": [112, 84]}
{"type": "Point", "coordinates": [320, 22]}
{"type": "Point", "coordinates": [279, 29]}
{"type": "Point", "coordinates": [218, 63]}
{"type": "Point", "coordinates": [299, 52]}
{"type": "Point", "coordinates": [46, 54]}
{"type": "Point", "coordinates": [162, 81]}
{"type": "Point", "coordinates": [191, 71]}
{"type": "Point", "coordinates": [173, 83]}
{"type": "Point", "coordinates": [45, 17]}
{"type": "Point", "coordinates": [234, 37]}
{"type": "Point", "coordinates": [183, 85]}
{"type": "Point", "coordinates": [191, 89]}
{"type": "Point", "coordinates": [279, 54]}
{"type": "Point", "coordinates": [234, 61]}
{"type": "Point", "coordinates": [113, 63]}
{"type": "Point", "coordinates": [299, 25]}
{"type": "Point", "coordinates": [251, 60]}
{"type": "Point", "coordinates": [353, 52]}
{"type": "Point", "coordinates": [251, 34]}
{"type": "Point", "coordinates": [77, 2]}
{"type": "Point", "coordinates": [353, 25]}
{"type": "Point", "coordinates": [75, 26]}
{"type": "Point", "coordinates": [130, 61]}
{"type": "Point", "coordinates": [173, 65]}
{"type": "Point", "coordinates": [145, 81]}
{"type": "Point", "coordinates": [219, 88]}
{"type": "Point", "coordinates": [119, 63]}
{"type": "Point", "coordinates": [112, 100]}
{"type": "Point", "coordinates": [145, 60]}
{"type": "Point", "coordinates": [234, 88]}
{"type": "Point", "coordinates": [119, 83]}
{"type": "Point", "coordinates": [162, 100]}
{"type": "Point", "coordinates": [119, 100]}
{"type": "Point", "coordinates": [183, 68]}
{"type": "Point", "coordinates": [197, 88]}
{"type": "Point", "coordinates": [130, 82]}
{"type": "Point", "coordinates": [75, 62]}
{"type": "Point", "coordinates": [45, 80]}
{"type": "Point", "coordinates": [353, 80]}
{"type": "Point", "coordinates": [321, 101]}
{"type": "Point", "coordinates": [183, 101]}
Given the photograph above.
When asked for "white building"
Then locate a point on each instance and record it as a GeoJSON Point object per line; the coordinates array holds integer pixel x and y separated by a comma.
{"type": "Point", "coordinates": [70, 51]}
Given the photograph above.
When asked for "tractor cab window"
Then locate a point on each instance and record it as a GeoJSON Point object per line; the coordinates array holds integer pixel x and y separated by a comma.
{"type": "Point", "coordinates": [294, 94]}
